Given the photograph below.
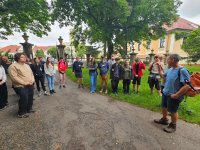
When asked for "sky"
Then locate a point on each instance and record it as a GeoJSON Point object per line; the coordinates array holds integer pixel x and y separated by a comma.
{"type": "Point", "coordinates": [190, 10]}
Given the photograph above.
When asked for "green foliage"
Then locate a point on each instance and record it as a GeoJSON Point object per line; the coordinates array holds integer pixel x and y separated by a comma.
{"type": "Point", "coordinates": [181, 35]}
{"type": "Point", "coordinates": [146, 100]}
{"type": "Point", "coordinates": [81, 50]}
{"type": "Point", "coordinates": [53, 52]}
{"type": "Point", "coordinates": [114, 21]}
{"type": "Point", "coordinates": [192, 45]}
{"type": "Point", "coordinates": [39, 53]}
{"type": "Point", "coordinates": [24, 15]}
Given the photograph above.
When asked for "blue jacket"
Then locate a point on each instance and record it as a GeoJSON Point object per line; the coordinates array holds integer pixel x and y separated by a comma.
{"type": "Point", "coordinates": [103, 67]}
{"type": "Point", "coordinates": [77, 67]}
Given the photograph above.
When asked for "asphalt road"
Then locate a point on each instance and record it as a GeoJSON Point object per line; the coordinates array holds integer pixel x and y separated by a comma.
{"type": "Point", "coordinates": [73, 119]}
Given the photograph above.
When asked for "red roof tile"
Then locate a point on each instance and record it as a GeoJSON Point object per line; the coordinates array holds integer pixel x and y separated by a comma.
{"type": "Point", "coordinates": [10, 48]}
{"type": "Point", "coordinates": [181, 23]}
{"type": "Point", "coordinates": [44, 48]}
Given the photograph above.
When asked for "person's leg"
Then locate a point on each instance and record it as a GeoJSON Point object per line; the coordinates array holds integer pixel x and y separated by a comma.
{"type": "Point", "coordinates": [113, 85]}
{"type": "Point", "coordinates": [117, 82]}
{"type": "Point", "coordinates": [23, 100]}
{"type": "Point", "coordinates": [95, 82]}
{"type": "Point", "coordinates": [3, 96]}
{"type": "Point", "coordinates": [134, 83]}
{"type": "Point", "coordinates": [138, 84]}
{"type": "Point", "coordinates": [64, 80]}
{"type": "Point", "coordinates": [42, 81]}
{"type": "Point", "coordinates": [53, 83]}
{"type": "Point", "coordinates": [61, 78]}
{"type": "Point", "coordinates": [37, 81]}
{"type": "Point", "coordinates": [128, 85]}
{"type": "Point", "coordinates": [49, 83]}
{"type": "Point", "coordinates": [91, 83]}
{"type": "Point", "coordinates": [101, 84]}
{"type": "Point", "coordinates": [124, 86]}
{"type": "Point", "coordinates": [106, 83]}
{"type": "Point", "coordinates": [30, 98]}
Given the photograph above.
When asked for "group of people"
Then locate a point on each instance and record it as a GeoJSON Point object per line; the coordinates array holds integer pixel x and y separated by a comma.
{"type": "Point", "coordinates": [24, 74]}
{"type": "Point", "coordinates": [118, 71]}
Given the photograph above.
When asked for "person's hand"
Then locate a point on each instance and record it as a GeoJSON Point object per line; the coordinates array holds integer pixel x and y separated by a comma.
{"type": "Point", "coordinates": [174, 96]}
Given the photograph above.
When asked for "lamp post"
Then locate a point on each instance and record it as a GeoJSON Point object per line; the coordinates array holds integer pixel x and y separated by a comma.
{"type": "Point", "coordinates": [151, 56]}
{"type": "Point", "coordinates": [60, 47]}
{"type": "Point", "coordinates": [133, 54]}
{"type": "Point", "coordinates": [27, 47]}
{"type": "Point", "coordinates": [166, 55]}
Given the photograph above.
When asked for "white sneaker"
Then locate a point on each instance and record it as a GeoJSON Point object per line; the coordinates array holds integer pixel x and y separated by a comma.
{"type": "Point", "coordinates": [46, 93]}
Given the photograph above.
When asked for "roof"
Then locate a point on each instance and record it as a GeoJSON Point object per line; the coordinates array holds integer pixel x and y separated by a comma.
{"type": "Point", "coordinates": [10, 48]}
{"type": "Point", "coordinates": [182, 24]}
{"type": "Point", "coordinates": [43, 48]}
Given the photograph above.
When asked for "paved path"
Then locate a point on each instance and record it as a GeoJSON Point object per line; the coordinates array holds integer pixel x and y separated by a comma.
{"type": "Point", "coordinates": [71, 120]}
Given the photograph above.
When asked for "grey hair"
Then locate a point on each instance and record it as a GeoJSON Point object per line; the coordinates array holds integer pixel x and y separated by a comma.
{"type": "Point", "coordinates": [175, 57]}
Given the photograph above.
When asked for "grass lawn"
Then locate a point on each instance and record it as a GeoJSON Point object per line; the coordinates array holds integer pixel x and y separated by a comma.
{"type": "Point", "coordinates": [150, 101]}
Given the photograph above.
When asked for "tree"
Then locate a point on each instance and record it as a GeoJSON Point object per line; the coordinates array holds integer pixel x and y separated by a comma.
{"type": "Point", "coordinates": [39, 53]}
{"type": "Point", "coordinates": [116, 21]}
{"type": "Point", "coordinates": [53, 52]}
{"type": "Point", "coordinates": [192, 45]}
{"type": "Point", "coordinates": [23, 16]}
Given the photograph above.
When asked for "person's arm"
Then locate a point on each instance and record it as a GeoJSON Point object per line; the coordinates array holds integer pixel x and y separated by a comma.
{"type": "Point", "coordinates": [73, 67]}
{"type": "Point", "coordinates": [12, 71]}
{"type": "Point", "coordinates": [46, 70]}
{"type": "Point", "coordinates": [143, 66]}
{"type": "Point", "coordinates": [150, 66]}
{"type": "Point", "coordinates": [4, 76]}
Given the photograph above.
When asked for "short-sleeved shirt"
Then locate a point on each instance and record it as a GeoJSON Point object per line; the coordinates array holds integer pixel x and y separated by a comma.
{"type": "Point", "coordinates": [173, 81]}
{"type": "Point", "coordinates": [155, 67]}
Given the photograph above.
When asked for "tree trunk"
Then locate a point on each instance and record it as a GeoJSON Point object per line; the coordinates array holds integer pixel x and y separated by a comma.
{"type": "Point", "coordinates": [110, 49]}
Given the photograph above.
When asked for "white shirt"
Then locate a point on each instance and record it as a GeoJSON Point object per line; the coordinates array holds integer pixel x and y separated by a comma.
{"type": "Point", "coordinates": [2, 75]}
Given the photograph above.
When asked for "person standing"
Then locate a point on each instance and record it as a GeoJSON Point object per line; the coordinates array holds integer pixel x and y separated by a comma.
{"type": "Point", "coordinates": [3, 88]}
{"type": "Point", "coordinates": [154, 76]}
{"type": "Point", "coordinates": [22, 78]}
{"type": "Point", "coordinates": [127, 76]}
{"type": "Point", "coordinates": [93, 75]}
{"type": "Point", "coordinates": [77, 70]}
{"type": "Point", "coordinates": [111, 61]}
{"type": "Point", "coordinates": [39, 74]}
{"type": "Point", "coordinates": [137, 68]}
{"type": "Point", "coordinates": [50, 74]}
{"type": "Point", "coordinates": [103, 68]}
{"type": "Point", "coordinates": [62, 67]}
{"type": "Point", "coordinates": [175, 86]}
{"type": "Point", "coordinates": [5, 63]}
{"type": "Point", "coordinates": [116, 75]}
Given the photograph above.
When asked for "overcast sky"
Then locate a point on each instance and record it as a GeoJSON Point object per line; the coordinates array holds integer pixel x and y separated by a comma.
{"type": "Point", "coordinates": [190, 10]}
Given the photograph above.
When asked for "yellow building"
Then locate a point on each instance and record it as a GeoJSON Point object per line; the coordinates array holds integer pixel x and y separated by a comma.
{"type": "Point", "coordinates": [168, 43]}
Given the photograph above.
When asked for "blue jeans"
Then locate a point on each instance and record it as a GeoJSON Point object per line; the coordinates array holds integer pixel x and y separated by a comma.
{"type": "Point", "coordinates": [50, 80]}
{"type": "Point", "coordinates": [93, 79]}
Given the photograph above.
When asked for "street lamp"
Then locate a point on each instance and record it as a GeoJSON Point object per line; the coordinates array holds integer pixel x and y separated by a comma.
{"type": "Point", "coordinates": [27, 47]}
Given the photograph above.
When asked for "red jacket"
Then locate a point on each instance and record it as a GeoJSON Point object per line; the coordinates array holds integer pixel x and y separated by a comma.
{"type": "Point", "coordinates": [141, 66]}
{"type": "Point", "coordinates": [62, 65]}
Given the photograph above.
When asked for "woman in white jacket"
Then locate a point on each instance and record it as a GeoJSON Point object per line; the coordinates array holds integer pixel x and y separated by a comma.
{"type": "Point", "coordinates": [50, 74]}
{"type": "Point", "coordinates": [3, 88]}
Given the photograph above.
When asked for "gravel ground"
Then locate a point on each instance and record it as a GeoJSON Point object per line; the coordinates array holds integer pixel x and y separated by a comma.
{"type": "Point", "coordinates": [73, 119]}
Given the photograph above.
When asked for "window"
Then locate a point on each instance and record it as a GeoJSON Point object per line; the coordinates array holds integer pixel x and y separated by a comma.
{"type": "Point", "coordinates": [149, 45]}
{"type": "Point", "coordinates": [162, 42]}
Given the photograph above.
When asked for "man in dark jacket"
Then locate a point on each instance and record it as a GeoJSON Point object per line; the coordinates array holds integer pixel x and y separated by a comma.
{"type": "Point", "coordinates": [77, 70]}
{"type": "Point", "coordinates": [116, 75]}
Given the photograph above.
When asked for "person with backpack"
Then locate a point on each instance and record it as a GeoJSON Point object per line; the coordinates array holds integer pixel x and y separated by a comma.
{"type": "Point", "coordinates": [154, 76]}
{"type": "Point", "coordinates": [50, 74]}
{"type": "Point", "coordinates": [39, 74]}
{"type": "Point", "coordinates": [116, 75]}
{"type": "Point", "coordinates": [77, 70]}
{"type": "Point", "coordinates": [62, 67]}
{"type": "Point", "coordinates": [127, 76]}
{"type": "Point", "coordinates": [93, 75]}
{"type": "Point", "coordinates": [175, 87]}
{"type": "Point", "coordinates": [137, 68]}
{"type": "Point", "coordinates": [103, 68]}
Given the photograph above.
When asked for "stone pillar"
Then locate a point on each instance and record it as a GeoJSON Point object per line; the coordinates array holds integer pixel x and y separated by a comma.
{"type": "Point", "coordinates": [133, 56]}
{"type": "Point", "coordinates": [61, 48]}
{"type": "Point", "coordinates": [151, 59]}
{"type": "Point", "coordinates": [27, 47]}
{"type": "Point", "coordinates": [88, 58]}
{"type": "Point", "coordinates": [166, 55]}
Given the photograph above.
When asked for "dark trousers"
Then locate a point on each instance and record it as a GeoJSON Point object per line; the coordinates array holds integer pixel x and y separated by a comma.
{"type": "Point", "coordinates": [114, 83]}
{"type": "Point", "coordinates": [126, 85]}
{"type": "Point", "coordinates": [26, 99]}
{"type": "Point", "coordinates": [38, 81]}
{"type": "Point", "coordinates": [3, 95]}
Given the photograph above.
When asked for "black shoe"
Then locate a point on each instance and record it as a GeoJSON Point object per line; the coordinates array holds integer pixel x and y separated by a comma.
{"type": "Point", "coordinates": [31, 111]}
{"type": "Point", "coordinates": [23, 116]}
{"type": "Point", "coordinates": [53, 91]}
{"type": "Point", "coordinates": [64, 86]}
{"type": "Point", "coordinates": [2, 108]}
{"type": "Point", "coordinates": [60, 87]}
{"type": "Point", "coordinates": [82, 86]}
{"type": "Point", "coordinates": [163, 121]}
{"type": "Point", "coordinates": [170, 128]}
